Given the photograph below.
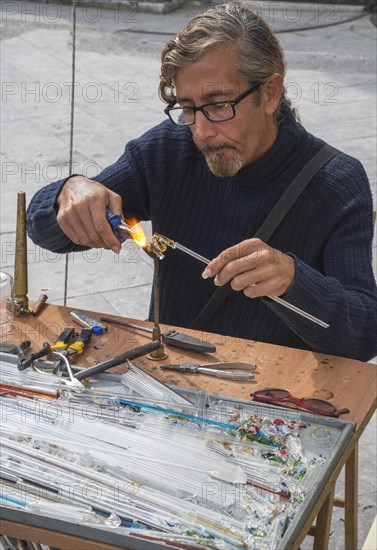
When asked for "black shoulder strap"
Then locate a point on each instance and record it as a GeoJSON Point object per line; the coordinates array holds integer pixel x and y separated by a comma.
{"type": "Point", "coordinates": [270, 224]}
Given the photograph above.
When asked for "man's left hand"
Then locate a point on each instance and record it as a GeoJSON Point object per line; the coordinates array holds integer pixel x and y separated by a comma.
{"type": "Point", "coordinates": [253, 267]}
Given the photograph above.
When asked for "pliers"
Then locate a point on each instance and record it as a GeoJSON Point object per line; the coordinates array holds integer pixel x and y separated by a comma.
{"type": "Point", "coordinates": [74, 348]}
{"type": "Point", "coordinates": [216, 369]}
{"type": "Point", "coordinates": [25, 361]}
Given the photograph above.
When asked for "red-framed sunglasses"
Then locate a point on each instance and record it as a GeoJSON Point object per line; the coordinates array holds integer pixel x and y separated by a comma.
{"type": "Point", "coordinates": [311, 404]}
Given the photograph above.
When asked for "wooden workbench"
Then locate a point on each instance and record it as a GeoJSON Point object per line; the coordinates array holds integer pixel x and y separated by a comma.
{"type": "Point", "coordinates": [347, 383]}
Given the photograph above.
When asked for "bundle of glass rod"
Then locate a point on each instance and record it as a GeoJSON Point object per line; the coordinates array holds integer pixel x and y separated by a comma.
{"type": "Point", "coordinates": [144, 384]}
{"type": "Point", "coordinates": [153, 469]}
{"type": "Point", "coordinates": [27, 381]}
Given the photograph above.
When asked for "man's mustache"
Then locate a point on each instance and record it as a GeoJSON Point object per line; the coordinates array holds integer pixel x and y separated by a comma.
{"type": "Point", "coordinates": [213, 148]}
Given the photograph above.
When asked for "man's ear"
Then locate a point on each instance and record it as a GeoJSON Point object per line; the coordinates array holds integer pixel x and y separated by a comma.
{"type": "Point", "coordinates": [271, 92]}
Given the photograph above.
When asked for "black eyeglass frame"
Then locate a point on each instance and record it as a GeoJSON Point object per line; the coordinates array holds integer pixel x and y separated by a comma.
{"type": "Point", "coordinates": [201, 108]}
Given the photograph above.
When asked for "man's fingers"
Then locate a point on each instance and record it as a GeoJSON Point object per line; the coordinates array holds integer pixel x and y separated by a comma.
{"type": "Point", "coordinates": [254, 277]}
{"type": "Point", "coordinates": [69, 225]}
{"type": "Point", "coordinates": [78, 233]}
{"type": "Point", "coordinates": [105, 233]}
{"type": "Point", "coordinates": [79, 224]}
{"type": "Point", "coordinates": [247, 265]}
{"type": "Point", "coordinates": [115, 203]}
{"type": "Point", "coordinates": [257, 290]}
{"type": "Point", "coordinates": [82, 213]}
{"type": "Point", "coordinates": [265, 271]}
{"type": "Point", "coordinates": [240, 282]}
{"type": "Point", "coordinates": [234, 258]}
{"type": "Point", "coordinates": [69, 230]}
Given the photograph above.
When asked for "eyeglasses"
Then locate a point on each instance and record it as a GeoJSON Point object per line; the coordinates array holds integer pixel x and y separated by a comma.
{"type": "Point", "coordinates": [312, 404]}
{"type": "Point", "coordinates": [220, 111]}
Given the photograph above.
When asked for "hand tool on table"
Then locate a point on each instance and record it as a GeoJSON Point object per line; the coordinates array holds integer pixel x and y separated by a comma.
{"type": "Point", "coordinates": [15, 349]}
{"type": "Point", "coordinates": [25, 361]}
{"type": "Point", "coordinates": [21, 349]}
{"type": "Point", "coordinates": [225, 369]}
{"type": "Point", "coordinates": [71, 381]}
{"type": "Point", "coordinates": [172, 337]}
{"type": "Point", "coordinates": [85, 320]}
{"type": "Point", "coordinates": [72, 348]}
{"type": "Point", "coordinates": [118, 360]}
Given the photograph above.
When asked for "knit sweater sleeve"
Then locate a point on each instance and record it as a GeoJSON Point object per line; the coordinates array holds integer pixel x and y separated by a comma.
{"type": "Point", "coordinates": [343, 293]}
{"type": "Point", "coordinates": [125, 177]}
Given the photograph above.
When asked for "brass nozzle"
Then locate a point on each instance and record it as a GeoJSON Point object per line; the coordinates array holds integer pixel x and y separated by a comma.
{"type": "Point", "coordinates": [20, 289]}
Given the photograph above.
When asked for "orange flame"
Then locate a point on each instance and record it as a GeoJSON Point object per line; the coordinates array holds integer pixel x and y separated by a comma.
{"type": "Point", "coordinates": [137, 232]}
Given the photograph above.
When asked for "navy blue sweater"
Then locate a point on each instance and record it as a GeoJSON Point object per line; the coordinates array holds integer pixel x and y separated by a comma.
{"type": "Point", "coordinates": [163, 177]}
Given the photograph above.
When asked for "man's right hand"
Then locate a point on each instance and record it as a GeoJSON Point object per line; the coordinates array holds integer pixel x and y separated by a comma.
{"type": "Point", "coordinates": [82, 213]}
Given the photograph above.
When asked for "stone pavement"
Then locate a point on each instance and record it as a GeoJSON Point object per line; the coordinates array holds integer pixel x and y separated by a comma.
{"type": "Point", "coordinates": [331, 79]}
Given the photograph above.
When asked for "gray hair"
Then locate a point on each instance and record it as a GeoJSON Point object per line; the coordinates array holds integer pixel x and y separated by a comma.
{"type": "Point", "coordinates": [258, 50]}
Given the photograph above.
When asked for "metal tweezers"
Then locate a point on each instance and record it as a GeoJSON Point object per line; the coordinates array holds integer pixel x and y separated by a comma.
{"type": "Point", "coordinates": [216, 369]}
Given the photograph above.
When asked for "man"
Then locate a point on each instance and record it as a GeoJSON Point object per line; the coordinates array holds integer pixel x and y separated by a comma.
{"type": "Point", "coordinates": [208, 178]}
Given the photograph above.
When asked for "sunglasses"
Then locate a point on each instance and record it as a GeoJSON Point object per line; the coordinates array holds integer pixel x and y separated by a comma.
{"type": "Point", "coordinates": [311, 404]}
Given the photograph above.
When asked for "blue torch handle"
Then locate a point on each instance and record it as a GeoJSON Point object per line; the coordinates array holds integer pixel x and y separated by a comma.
{"type": "Point", "coordinates": [115, 220]}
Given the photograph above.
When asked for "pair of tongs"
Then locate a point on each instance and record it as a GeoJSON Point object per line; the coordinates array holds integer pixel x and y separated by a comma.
{"type": "Point", "coordinates": [222, 369]}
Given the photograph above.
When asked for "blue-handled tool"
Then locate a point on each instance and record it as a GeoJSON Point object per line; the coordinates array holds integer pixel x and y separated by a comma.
{"type": "Point", "coordinates": [115, 220]}
{"type": "Point", "coordinates": [87, 321]}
